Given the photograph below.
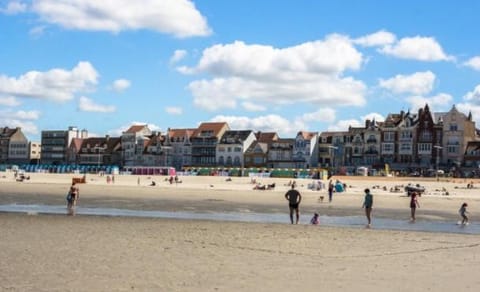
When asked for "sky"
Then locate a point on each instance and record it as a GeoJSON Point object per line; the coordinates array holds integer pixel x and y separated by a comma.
{"type": "Point", "coordinates": [282, 65]}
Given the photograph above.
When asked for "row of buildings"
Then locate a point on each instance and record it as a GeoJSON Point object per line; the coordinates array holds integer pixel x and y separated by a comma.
{"type": "Point", "coordinates": [405, 141]}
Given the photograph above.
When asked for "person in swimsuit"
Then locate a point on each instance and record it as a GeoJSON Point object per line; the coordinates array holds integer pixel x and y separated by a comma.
{"type": "Point", "coordinates": [72, 197]}
{"type": "Point", "coordinates": [463, 212]}
{"type": "Point", "coordinates": [294, 198]}
{"type": "Point", "coordinates": [413, 205]}
{"type": "Point", "coordinates": [368, 204]}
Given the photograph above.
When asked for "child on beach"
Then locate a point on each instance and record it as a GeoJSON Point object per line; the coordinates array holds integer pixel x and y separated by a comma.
{"type": "Point", "coordinates": [315, 220]}
{"type": "Point", "coordinates": [413, 205]}
{"type": "Point", "coordinates": [463, 212]}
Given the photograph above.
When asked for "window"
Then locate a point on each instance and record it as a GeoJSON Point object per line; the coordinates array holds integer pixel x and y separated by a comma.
{"type": "Point", "coordinates": [406, 147]}
{"type": "Point", "coordinates": [452, 149]}
{"type": "Point", "coordinates": [388, 147]}
{"type": "Point", "coordinates": [426, 135]}
{"type": "Point", "coordinates": [406, 135]}
{"type": "Point", "coordinates": [453, 127]}
{"type": "Point", "coordinates": [424, 147]}
{"type": "Point", "coordinates": [389, 136]}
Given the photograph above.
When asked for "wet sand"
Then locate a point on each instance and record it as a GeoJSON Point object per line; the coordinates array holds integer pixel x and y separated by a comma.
{"type": "Point", "coordinates": [97, 253]}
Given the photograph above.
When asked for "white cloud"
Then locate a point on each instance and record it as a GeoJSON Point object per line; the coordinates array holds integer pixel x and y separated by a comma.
{"type": "Point", "coordinates": [56, 84]}
{"type": "Point", "coordinates": [174, 110]}
{"type": "Point", "coordinates": [177, 17]}
{"type": "Point", "coordinates": [473, 96]}
{"type": "Point", "coordinates": [439, 101]}
{"type": "Point", "coordinates": [379, 38]}
{"type": "Point", "coordinates": [14, 7]}
{"type": "Point", "coordinates": [37, 31]}
{"type": "Point", "coordinates": [121, 85]}
{"type": "Point", "coordinates": [373, 116]}
{"type": "Point", "coordinates": [268, 123]}
{"type": "Point", "coordinates": [177, 56]}
{"type": "Point", "coordinates": [418, 83]}
{"type": "Point", "coordinates": [20, 115]}
{"type": "Point", "coordinates": [87, 105]}
{"type": "Point", "coordinates": [308, 73]}
{"type": "Point", "coordinates": [321, 115]}
{"type": "Point", "coordinates": [22, 119]}
{"type": "Point", "coordinates": [417, 48]}
{"type": "Point", "coordinates": [473, 63]}
{"type": "Point", "coordinates": [470, 108]}
{"type": "Point", "coordinates": [9, 101]}
{"type": "Point", "coordinates": [343, 125]}
{"type": "Point", "coordinates": [253, 107]}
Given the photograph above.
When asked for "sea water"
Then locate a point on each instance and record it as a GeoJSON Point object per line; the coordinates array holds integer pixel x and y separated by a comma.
{"type": "Point", "coordinates": [336, 221]}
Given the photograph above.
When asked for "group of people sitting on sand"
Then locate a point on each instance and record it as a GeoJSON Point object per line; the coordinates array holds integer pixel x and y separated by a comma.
{"type": "Point", "coordinates": [260, 186]}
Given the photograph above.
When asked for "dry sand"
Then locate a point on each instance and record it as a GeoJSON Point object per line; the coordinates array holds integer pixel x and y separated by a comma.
{"type": "Point", "coordinates": [94, 253]}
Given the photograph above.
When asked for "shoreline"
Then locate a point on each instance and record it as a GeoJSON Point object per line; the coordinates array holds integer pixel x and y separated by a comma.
{"type": "Point", "coordinates": [216, 194]}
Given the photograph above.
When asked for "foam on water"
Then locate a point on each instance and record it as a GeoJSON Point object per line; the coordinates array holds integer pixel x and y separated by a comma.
{"type": "Point", "coordinates": [345, 221]}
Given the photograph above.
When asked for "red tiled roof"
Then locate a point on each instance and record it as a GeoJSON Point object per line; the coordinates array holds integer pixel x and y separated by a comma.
{"type": "Point", "coordinates": [135, 128]}
{"type": "Point", "coordinates": [76, 143]}
{"type": "Point", "coordinates": [215, 127]}
{"type": "Point", "coordinates": [180, 133]}
{"type": "Point", "coordinates": [266, 137]}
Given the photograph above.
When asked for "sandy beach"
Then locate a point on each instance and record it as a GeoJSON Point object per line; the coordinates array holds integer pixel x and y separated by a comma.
{"type": "Point", "coordinates": [98, 253]}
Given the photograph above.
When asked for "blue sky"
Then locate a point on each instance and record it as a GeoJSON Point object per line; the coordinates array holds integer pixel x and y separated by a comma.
{"type": "Point", "coordinates": [281, 66]}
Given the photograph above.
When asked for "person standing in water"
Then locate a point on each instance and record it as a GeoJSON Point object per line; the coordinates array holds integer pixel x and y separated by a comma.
{"type": "Point", "coordinates": [72, 197]}
{"type": "Point", "coordinates": [294, 198]}
{"type": "Point", "coordinates": [368, 204]}
{"type": "Point", "coordinates": [463, 212]}
{"type": "Point", "coordinates": [413, 205]}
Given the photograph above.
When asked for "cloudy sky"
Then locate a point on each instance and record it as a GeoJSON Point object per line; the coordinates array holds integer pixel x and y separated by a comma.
{"type": "Point", "coordinates": [265, 65]}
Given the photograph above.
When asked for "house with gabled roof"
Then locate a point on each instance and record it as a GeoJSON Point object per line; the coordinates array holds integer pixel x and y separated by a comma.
{"type": "Point", "coordinates": [74, 150]}
{"type": "Point", "coordinates": [13, 146]}
{"type": "Point", "coordinates": [232, 146]}
{"type": "Point", "coordinates": [133, 144]}
{"type": "Point", "coordinates": [305, 150]}
{"type": "Point", "coordinates": [100, 151]}
{"type": "Point", "coordinates": [181, 147]}
{"type": "Point", "coordinates": [280, 153]}
{"type": "Point", "coordinates": [154, 151]}
{"type": "Point", "coordinates": [256, 155]}
{"type": "Point", "coordinates": [330, 145]}
{"type": "Point", "coordinates": [204, 143]}
{"type": "Point", "coordinates": [458, 129]}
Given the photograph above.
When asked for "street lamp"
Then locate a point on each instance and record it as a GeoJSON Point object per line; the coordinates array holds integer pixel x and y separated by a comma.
{"type": "Point", "coordinates": [332, 156]}
{"type": "Point", "coordinates": [438, 149]}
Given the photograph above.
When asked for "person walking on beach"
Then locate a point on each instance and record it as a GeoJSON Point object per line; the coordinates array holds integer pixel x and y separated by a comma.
{"type": "Point", "coordinates": [463, 212]}
{"type": "Point", "coordinates": [368, 204]}
{"type": "Point", "coordinates": [294, 198]}
{"type": "Point", "coordinates": [72, 197]}
{"type": "Point", "coordinates": [413, 205]}
{"type": "Point", "coordinates": [330, 190]}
